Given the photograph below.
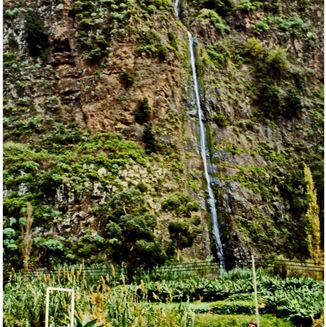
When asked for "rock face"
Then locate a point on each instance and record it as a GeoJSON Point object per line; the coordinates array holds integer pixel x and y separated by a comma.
{"type": "Point", "coordinates": [263, 125]}
{"type": "Point", "coordinates": [79, 72]}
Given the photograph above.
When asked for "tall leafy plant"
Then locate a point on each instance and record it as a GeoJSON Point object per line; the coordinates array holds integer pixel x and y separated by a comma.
{"type": "Point", "coordinates": [312, 218]}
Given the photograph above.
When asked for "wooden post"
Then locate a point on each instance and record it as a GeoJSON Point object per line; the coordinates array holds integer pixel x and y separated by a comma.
{"type": "Point", "coordinates": [255, 289]}
{"type": "Point", "coordinates": [47, 304]}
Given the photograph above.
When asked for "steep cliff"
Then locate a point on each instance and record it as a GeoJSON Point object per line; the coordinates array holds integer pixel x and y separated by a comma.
{"type": "Point", "coordinates": [101, 136]}
{"type": "Point", "coordinates": [262, 74]}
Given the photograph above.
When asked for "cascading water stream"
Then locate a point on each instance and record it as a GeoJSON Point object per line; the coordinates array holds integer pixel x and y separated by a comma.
{"type": "Point", "coordinates": [205, 156]}
{"type": "Point", "coordinates": [176, 8]}
{"type": "Point", "coordinates": [204, 149]}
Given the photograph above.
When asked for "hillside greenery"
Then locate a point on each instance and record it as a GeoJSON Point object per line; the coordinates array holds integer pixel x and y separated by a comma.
{"type": "Point", "coordinates": [135, 198]}
{"type": "Point", "coordinates": [54, 177]}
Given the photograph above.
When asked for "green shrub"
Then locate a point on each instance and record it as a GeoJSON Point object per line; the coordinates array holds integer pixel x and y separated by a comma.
{"type": "Point", "coordinates": [299, 79]}
{"type": "Point", "coordinates": [151, 9]}
{"type": "Point", "coordinates": [196, 220]}
{"type": "Point", "coordinates": [293, 190]}
{"type": "Point", "coordinates": [224, 51]}
{"type": "Point", "coordinates": [12, 242]}
{"type": "Point", "coordinates": [233, 149]}
{"type": "Point", "coordinates": [310, 43]}
{"type": "Point", "coordinates": [269, 98]}
{"type": "Point", "coordinates": [234, 307]}
{"type": "Point", "coordinates": [171, 203]}
{"type": "Point", "coordinates": [152, 5]}
{"type": "Point", "coordinates": [216, 20]}
{"type": "Point", "coordinates": [149, 138]}
{"type": "Point", "coordinates": [261, 27]}
{"type": "Point", "coordinates": [221, 7]}
{"type": "Point", "coordinates": [217, 57]}
{"type": "Point", "coordinates": [132, 241]}
{"type": "Point", "coordinates": [248, 5]}
{"type": "Point", "coordinates": [143, 187]}
{"type": "Point", "coordinates": [278, 100]}
{"type": "Point", "coordinates": [129, 231]}
{"type": "Point", "coordinates": [293, 26]}
{"type": "Point", "coordinates": [152, 44]}
{"type": "Point", "coordinates": [50, 250]}
{"type": "Point", "coordinates": [181, 204]}
{"type": "Point", "coordinates": [129, 201]}
{"type": "Point", "coordinates": [246, 124]}
{"type": "Point", "coordinates": [182, 234]}
{"type": "Point", "coordinates": [192, 206]}
{"type": "Point", "coordinates": [94, 55]}
{"type": "Point", "coordinates": [9, 59]}
{"type": "Point", "coordinates": [277, 61]}
{"type": "Point", "coordinates": [143, 112]}
{"type": "Point", "coordinates": [127, 79]}
{"type": "Point", "coordinates": [220, 120]}
{"type": "Point", "coordinates": [162, 52]}
{"type": "Point", "coordinates": [254, 48]}
{"type": "Point", "coordinates": [173, 40]}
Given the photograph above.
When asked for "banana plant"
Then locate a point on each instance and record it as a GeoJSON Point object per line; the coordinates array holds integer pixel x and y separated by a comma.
{"type": "Point", "coordinates": [86, 322]}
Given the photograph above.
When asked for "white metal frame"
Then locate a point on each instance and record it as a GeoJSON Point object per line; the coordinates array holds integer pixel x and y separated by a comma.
{"type": "Point", "coordinates": [255, 289]}
{"type": "Point", "coordinates": [47, 303]}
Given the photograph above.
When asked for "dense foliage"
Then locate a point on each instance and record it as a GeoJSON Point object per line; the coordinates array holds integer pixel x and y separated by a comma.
{"type": "Point", "coordinates": [53, 179]}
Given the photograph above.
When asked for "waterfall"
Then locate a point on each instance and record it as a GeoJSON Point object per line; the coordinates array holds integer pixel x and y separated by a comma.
{"type": "Point", "coordinates": [206, 157]}
{"type": "Point", "coordinates": [176, 8]}
{"type": "Point", "coordinates": [204, 150]}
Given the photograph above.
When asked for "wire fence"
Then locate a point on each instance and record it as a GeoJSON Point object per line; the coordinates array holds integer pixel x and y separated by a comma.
{"type": "Point", "coordinates": [283, 267]}
{"type": "Point", "coordinates": [305, 266]}
{"type": "Point", "coordinates": [198, 268]}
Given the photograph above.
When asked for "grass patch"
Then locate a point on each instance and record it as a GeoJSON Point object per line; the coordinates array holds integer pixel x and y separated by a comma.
{"type": "Point", "coordinates": [208, 320]}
